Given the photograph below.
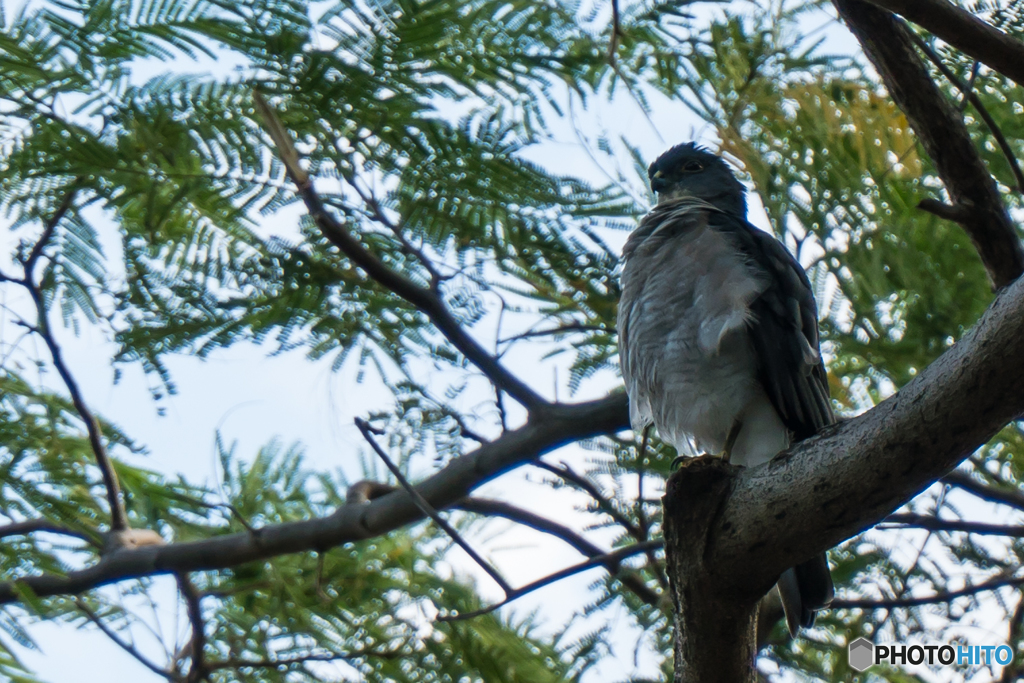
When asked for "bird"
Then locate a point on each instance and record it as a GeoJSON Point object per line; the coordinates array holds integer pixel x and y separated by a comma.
{"type": "Point", "coordinates": [718, 336]}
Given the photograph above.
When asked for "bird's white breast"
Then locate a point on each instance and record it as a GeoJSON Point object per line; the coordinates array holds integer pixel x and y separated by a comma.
{"type": "Point", "coordinates": [687, 360]}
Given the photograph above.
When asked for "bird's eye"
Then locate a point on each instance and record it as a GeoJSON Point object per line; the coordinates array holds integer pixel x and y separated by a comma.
{"type": "Point", "coordinates": [693, 167]}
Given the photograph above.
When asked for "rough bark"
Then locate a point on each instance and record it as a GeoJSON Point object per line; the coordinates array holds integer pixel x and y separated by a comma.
{"type": "Point", "coordinates": [850, 477]}
{"type": "Point", "coordinates": [941, 129]}
{"type": "Point", "coordinates": [715, 626]}
{"type": "Point", "coordinates": [965, 32]}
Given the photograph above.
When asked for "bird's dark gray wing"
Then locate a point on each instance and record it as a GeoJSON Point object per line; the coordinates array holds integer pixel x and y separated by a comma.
{"type": "Point", "coordinates": [784, 331]}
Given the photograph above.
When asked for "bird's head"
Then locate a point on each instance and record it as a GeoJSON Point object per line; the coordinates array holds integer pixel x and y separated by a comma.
{"type": "Point", "coordinates": [690, 170]}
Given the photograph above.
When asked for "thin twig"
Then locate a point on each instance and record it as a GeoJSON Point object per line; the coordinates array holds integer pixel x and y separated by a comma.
{"type": "Point", "coordinates": [365, 491]}
{"type": "Point", "coordinates": [426, 508]}
{"type": "Point", "coordinates": [935, 524]}
{"type": "Point", "coordinates": [975, 69]}
{"type": "Point", "coordinates": [962, 480]}
{"type": "Point", "coordinates": [613, 47]}
{"type": "Point", "coordinates": [49, 227]}
{"type": "Point", "coordinates": [602, 560]}
{"type": "Point", "coordinates": [497, 508]}
{"type": "Point", "coordinates": [561, 329]}
{"type": "Point", "coordinates": [946, 596]}
{"type": "Point", "coordinates": [917, 558]}
{"type": "Point", "coordinates": [970, 96]}
{"type": "Point", "coordinates": [118, 517]}
{"type": "Point", "coordinates": [198, 669]}
{"type": "Point", "coordinates": [127, 647]}
{"type": "Point", "coordinates": [568, 474]}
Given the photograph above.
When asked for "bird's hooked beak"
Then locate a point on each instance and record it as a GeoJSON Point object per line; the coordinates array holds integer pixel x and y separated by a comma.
{"type": "Point", "coordinates": [658, 182]}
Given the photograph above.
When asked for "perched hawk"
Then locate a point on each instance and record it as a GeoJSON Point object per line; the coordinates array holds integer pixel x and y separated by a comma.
{"type": "Point", "coordinates": [718, 336]}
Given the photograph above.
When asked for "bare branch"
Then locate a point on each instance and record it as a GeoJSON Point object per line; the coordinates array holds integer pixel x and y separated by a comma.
{"type": "Point", "coordinates": [127, 647]}
{"type": "Point", "coordinates": [561, 329]}
{"type": "Point", "coordinates": [613, 45]}
{"type": "Point", "coordinates": [31, 526]}
{"type": "Point", "coordinates": [496, 508]}
{"type": "Point", "coordinates": [962, 480]}
{"type": "Point", "coordinates": [941, 129]}
{"type": "Point", "coordinates": [560, 425]}
{"type": "Point", "coordinates": [934, 524]}
{"type": "Point", "coordinates": [198, 669]}
{"type": "Point", "coordinates": [602, 560]}
{"type": "Point", "coordinates": [49, 227]}
{"type": "Point", "coordinates": [965, 32]}
{"type": "Point", "coordinates": [423, 298]}
{"type": "Point", "coordinates": [947, 596]}
{"type": "Point", "coordinates": [118, 518]}
{"type": "Point", "coordinates": [427, 509]}
{"type": "Point", "coordinates": [363, 491]}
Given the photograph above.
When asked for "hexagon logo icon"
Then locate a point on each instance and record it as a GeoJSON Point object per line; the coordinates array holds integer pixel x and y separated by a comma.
{"type": "Point", "coordinates": [861, 654]}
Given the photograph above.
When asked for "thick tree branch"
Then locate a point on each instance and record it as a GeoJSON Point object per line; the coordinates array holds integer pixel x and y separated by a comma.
{"type": "Point", "coordinates": [423, 298]}
{"type": "Point", "coordinates": [557, 426]}
{"type": "Point", "coordinates": [965, 32]}
{"type": "Point", "coordinates": [941, 129]}
{"type": "Point", "coordinates": [851, 476]}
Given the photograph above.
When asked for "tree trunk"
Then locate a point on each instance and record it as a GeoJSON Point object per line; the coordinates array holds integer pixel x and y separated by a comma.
{"type": "Point", "coordinates": [715, 628]}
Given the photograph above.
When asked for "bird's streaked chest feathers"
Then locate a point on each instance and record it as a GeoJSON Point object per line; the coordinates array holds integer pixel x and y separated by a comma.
{"type": "Point", "coordinates": [687, 359]}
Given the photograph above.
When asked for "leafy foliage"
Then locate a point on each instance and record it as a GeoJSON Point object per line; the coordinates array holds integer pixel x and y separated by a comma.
{"type": "Point", "coordinates": [416, 120]}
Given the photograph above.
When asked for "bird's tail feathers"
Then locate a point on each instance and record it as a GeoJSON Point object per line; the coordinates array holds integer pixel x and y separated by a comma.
{"type": "Point", "coordinates": [805, 589]}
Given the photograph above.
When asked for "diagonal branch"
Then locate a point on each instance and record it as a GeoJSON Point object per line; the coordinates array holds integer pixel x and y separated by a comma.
{"type": "Point", "coordinates": [118, 518]}
{"type": "Point", "coordinates": [423, 298]}
{"type": "Point", "coordinates": [428, 510]}
{"type": "Point", "coordinates": [127, 647]}
{"type": "Point", "coordinates": [941, 129]}
{"type": "Point", "coordinates": [638, 533]}
{"type": "Point", "coordinates": [614, 557]}
{"type": "Point", "coordinates": [561, 425]}
{"type": "Point", "coordinates": [969, 96]}
{"type": "Point", "coordinates": [497, 508]}
{"type": "Point", "coordinates": [965, 32]}
{"type": "Point", "coordinates": [363, 491]}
